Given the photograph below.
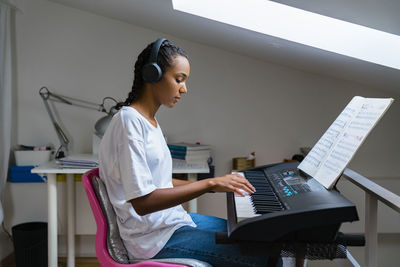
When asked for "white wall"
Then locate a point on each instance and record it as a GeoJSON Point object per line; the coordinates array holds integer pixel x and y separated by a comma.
{"type": "Point", "coordinates": [234, 103]}
{"type": "Point", "coordinates": [6, 246]}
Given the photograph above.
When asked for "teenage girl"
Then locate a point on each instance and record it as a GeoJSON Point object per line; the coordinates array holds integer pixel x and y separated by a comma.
{"type": "Point", "coordinates": [136, 166]}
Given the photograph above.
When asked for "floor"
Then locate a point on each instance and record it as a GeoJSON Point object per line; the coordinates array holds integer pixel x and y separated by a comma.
{"type": "Point", "coordinates": [62, 262]}
{"type": "Point", "coordinates": [80, 262]}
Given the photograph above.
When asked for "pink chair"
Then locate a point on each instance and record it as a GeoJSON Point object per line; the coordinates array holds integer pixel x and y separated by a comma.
{"type": "Point", "coordinates": [102, 216]}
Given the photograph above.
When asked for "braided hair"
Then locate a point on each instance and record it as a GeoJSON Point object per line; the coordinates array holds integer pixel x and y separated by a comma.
{"type": "Point", "coordinates": [168, 51]}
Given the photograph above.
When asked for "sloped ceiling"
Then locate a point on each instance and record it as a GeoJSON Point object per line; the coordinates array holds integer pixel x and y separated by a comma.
{"type": "Point", "coordinates": [160, 16]}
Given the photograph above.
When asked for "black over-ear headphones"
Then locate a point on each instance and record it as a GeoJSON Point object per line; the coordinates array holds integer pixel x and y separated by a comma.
{"type": "Point", "coordinates": [152, 72]}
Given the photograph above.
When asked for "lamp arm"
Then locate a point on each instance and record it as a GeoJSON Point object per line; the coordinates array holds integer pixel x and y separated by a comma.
{"type": "Point", "coordinates": [60, 133]}
{"type": "Point", "coordinates": [46, 96]}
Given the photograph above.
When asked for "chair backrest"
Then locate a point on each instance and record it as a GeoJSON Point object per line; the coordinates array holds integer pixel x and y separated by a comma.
{"type": "Point", "coordinates": [101, 234]}
{"type": "Point", "coordinates": [109, 252]}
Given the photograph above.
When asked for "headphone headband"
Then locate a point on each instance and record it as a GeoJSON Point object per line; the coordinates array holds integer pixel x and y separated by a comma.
{"type": "Point", "coordinates": [151, 71]}
{"type": "Point", "coordinates": [155, 49]}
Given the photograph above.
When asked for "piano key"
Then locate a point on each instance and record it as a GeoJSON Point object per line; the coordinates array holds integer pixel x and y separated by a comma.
{"type": "Point", "coordinates": [244, 207]}
{"type": "Point", "coordinates": [262, 201]}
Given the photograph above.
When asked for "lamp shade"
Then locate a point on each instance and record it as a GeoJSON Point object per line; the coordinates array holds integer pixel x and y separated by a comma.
{"type": "Point", "coordinates": [102, 124]}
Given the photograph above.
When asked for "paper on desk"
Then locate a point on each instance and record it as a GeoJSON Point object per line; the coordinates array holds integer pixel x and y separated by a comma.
{"type": "Point", "coordinates": [332, 153]}
{"type": "Point", "coordinates": [79, 161]}
{"type": "Point", "coordinates": [181, 166]}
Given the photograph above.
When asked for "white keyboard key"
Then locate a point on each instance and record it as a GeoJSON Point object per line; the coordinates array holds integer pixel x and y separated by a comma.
{"type": "Point", "coordinates": [244, 207]}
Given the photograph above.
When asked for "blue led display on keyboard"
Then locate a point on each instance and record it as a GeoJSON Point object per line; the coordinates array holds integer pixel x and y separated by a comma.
{"type": "Point", "coordinates": [290, 183]}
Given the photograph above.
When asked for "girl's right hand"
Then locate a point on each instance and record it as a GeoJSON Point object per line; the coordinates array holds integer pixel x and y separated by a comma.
{"type": "Point", "coordinates": [232, 183]}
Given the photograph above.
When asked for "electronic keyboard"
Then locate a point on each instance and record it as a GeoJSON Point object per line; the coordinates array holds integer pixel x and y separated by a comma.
{"type": "Point", "coordinates": [288, 205]}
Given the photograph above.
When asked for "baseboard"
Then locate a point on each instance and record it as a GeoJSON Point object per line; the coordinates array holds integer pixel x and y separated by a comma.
{"type": "Point", "coordinates": [8, 261]}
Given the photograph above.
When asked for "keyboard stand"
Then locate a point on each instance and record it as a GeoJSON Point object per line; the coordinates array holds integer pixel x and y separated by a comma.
{"type": "Point", "coordinates": [300, 250]}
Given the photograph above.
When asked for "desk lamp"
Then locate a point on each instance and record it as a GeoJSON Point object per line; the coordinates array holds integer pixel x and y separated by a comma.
{"type": "Point", "coordinates": [100, 126]}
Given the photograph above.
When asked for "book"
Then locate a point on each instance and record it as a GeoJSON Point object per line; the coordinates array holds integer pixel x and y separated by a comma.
{"type": "Point", "coordinates": [191, 153]}
{"type": "Point", "coordinates": [187, 146]}
{"type": "Point", "coordinates": [334, 150]}
{"type": "Point", "coordinates": [192, 159]}
{"type": "Point", "coordinates": [200, 153]}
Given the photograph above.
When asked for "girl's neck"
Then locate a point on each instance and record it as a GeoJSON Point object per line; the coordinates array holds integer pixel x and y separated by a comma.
{"type": "Point", "coordinates": [146, 106]}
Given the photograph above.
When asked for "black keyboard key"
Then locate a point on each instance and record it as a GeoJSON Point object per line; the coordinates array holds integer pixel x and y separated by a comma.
{"type": "Point", "coordinates": [264, 200]}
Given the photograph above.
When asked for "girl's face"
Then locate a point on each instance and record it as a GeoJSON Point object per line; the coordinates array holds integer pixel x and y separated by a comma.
{"type": "Point", "coordinates": [172, 85]}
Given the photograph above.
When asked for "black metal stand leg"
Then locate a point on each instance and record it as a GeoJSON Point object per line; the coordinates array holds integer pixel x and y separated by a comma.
{"type": "Point", "coordinates": [299, 262]}
{"type": "Point", "coordinates": [273, 261]}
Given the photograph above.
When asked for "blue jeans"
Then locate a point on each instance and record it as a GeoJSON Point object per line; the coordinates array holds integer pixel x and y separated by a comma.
{"type": "Point", "coordinates": [199, 243]}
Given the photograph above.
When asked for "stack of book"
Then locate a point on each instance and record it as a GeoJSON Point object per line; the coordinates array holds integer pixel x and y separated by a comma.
{"type": "Point", "coordinates": [81, 161]}
{"type": "Point", "coordinates": [191, 153]}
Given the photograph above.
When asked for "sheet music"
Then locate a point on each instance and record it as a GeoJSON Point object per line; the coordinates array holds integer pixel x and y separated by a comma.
{"type": "Point", "coordinates": [332, 153]}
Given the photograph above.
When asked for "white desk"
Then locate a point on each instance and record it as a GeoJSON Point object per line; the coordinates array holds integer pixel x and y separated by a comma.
{"type": "Point", "coordinates": [51, 169]}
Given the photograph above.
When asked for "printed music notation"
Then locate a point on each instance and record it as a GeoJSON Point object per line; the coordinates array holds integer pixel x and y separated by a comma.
{"type": "Point", "coordinates": [334, 150]}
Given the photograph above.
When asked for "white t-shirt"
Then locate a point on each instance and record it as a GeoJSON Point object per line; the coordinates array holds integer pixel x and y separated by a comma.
{"type": "Point", "coordinates": [134, 160]}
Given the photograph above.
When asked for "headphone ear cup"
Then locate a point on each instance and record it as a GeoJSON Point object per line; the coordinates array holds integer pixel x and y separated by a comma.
{"type": "Point", "coordinates": [151, 72]}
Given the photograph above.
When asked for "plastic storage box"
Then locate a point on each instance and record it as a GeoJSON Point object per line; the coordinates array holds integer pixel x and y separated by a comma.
{"type": "Point", "coordinates": [31, 157]}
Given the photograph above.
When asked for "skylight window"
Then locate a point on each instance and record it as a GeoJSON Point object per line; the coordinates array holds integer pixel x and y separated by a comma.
{"type": "Point", "coordinates": [300, 26]}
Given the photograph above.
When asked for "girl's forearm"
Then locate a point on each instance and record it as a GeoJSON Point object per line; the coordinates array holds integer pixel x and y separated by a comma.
{"type": "Point", "coordinates": [166, 198]}
{"type": "Point", "coordinates": [178, 182]}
